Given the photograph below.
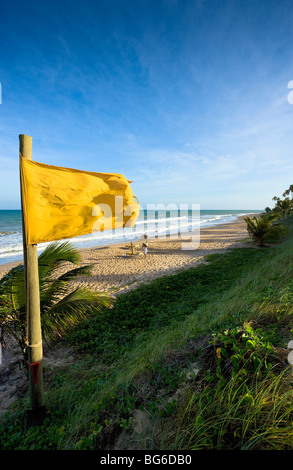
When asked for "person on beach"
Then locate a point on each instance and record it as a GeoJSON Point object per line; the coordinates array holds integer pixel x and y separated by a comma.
{"type": "Point", "coordinates": [145, 246]}
{"type": "Point", "coordinates": [144, 249]}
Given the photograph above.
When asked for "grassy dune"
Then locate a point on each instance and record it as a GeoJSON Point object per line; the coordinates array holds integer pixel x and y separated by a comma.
{"type": "Point", "coordinates": [196, 360]}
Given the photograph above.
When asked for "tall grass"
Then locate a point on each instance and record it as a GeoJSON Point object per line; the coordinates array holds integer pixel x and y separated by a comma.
{"type": "Point", "coordinates": [255, 414]}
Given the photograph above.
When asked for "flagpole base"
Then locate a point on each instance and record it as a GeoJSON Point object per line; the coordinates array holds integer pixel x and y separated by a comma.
{"type": "Point", "coordinates": [37, 416]}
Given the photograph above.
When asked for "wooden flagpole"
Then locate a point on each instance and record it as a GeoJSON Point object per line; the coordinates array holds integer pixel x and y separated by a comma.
{"type": "Point", "coordinates": [33, 314]}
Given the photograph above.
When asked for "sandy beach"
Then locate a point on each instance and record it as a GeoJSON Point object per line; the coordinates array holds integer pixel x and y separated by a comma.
{"type": "Point", "coordinates": [115, 272]}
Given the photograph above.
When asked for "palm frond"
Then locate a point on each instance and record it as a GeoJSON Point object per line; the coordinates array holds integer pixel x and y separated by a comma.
{"type": "Point", "coordinates": [12, 288]}
{"type": "Point", "coordinates": [56, 252]}
{"type": "Point", "coordinates": [15, 275]}
{"type": "Point", "coordinates": [60, 309]}
{"type": "Point", "coordinates": [54, 256]}
{"type": "Point", "coordinates": [72, 308]}
{"type": "Point", "coordinates": [264, 227]}
{"type": "Point", "coordinates": [80, 271]}
{"type": "Point", "coordinates": [51, 290]}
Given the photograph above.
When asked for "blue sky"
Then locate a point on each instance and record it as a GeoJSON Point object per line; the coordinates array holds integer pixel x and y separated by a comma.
{"type": "Point", "coordinates": [187, 98]}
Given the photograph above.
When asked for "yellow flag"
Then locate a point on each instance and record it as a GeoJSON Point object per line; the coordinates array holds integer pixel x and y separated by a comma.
{"type": "Point", "coordinates": [63, 203]}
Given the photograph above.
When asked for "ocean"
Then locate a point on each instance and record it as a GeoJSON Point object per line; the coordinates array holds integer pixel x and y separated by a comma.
{"type": "Point", "coordinates": [151, 222]}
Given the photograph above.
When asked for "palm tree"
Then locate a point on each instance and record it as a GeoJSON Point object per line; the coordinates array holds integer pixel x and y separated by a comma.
{"type": "Point", "coordinates": [288, 191]}
{"type": "Point", "coordinates": [264, 227]}
{"type": "Point", "coordinates": [61, 305]}
{"type": "Point", "coordinates": [284, 206]}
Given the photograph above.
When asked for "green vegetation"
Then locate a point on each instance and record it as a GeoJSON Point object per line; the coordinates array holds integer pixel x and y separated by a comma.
{"type": "Point", "coordinates": [61, 307]}
{"type": "Point", "coordinates": [196, 360]}
{"type": "Point", "coordinates": [265, 228]}
{"type": "Point", "coordinates": [283, 207]}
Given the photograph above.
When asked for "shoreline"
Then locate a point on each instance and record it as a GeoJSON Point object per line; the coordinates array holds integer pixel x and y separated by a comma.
{"type": "Point", "coordinates": [115, 273]}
